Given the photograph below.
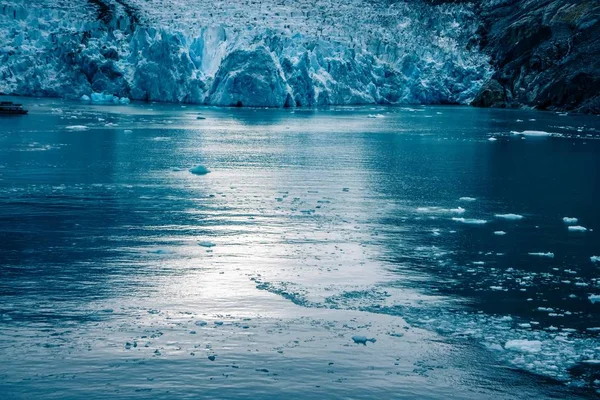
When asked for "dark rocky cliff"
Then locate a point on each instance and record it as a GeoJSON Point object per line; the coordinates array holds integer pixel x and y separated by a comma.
{"type": "Point", "coordinates": [546, 54]}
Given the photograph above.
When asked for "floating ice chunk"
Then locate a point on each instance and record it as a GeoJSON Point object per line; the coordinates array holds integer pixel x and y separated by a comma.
{"type": "Point", "coordinates": [199, 170]}
{"type": "Point", "coordinates": [499, 233]}
{"type": "Point", "coordinates": [545, 309]}
{"type": "Point", "coordinates": [577, 228]}
{"type": "Point", "coordinates": [128, 131]}
{"type": "Point", "coordinates": [201, 323]}
{"type": "Point", "coordinates": [440, 210]}
{"type": "Point", "coordinates": [594, 298]}
{"type": "Point", "coordinates": [595, 259]}
{"type": "Point", "coordinates": [212, 357]}
{"type": "Point", "coordinates": [362, 340]}
{"type": "Point", "coordinates": [533, 133]}
{"type": "Point", "coordinates": [549, 255]}
{"type": "Point", "coordinates": [496, 288]}
{"type": "Point", "coordinates": [206, 244]}
{"type": "Point", "coordinates": [470, 221]}
{"type": "Point", "coordinates": [85, 97]}
{"type": "Point", "coordinates": [570, 220]}
{"type": "Point", "coordinates": [375, 116]}
{"type": "Point", "coordinates": [124, 100]}
{"type": "Point", "coordinates": [492, 139]}
{"type": "Point", "coordinates": [467, 199]}
{"type": "Point", "coordinates": [512, 217]}
{"type": "Point", "coordinates": [77, 128]}
{"type": "Point", "coordinates": [524, 346]}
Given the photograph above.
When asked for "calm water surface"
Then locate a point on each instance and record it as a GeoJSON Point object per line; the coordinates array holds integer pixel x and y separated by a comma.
{"type": "Point", "coordinates": [123, 274]}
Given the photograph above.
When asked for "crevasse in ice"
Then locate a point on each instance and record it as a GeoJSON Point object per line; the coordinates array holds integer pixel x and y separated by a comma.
{"type": "Point", "coordinates": [243, 54]}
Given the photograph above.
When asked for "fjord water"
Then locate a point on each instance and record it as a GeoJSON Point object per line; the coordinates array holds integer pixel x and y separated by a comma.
{"type": "Point", "coordinates": [123, 274]}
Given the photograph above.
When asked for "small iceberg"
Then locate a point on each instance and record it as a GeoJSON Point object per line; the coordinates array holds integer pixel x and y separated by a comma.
{"type": "Point", "coordinates": [470, 221]}
{"type": "Point", "coordinates": [85, 97]}
{"type": "Point", "coordinates": [363, 340]}
{"type": "Point", "coordinates": [206, 244]}
{"type": "Point", "coordinates": [577, 228]}
{"type": "Point", "coordinates": [595, 259]}
{"type": "Point", "coordinates": [594, 298]}
{"type": "Point", "coordinates": [548, 255]}
{"type": "Point", "coordinates": [499, 233]}
{"type": "Point", "coordinates": [199, 170]}
{"type": "Point", "coordinates": [467, 199]}
{"type": "Point", "coordinates": [512, 217]}
{"type": "Point", "coordinates": [570, 220]}
{"type": "Point", "coordinates": [524, 346]}
{"type": "Point", "coordinates": [492, 139]}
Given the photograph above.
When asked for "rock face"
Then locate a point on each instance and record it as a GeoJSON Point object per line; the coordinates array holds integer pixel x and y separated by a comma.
{"type": "Point", "coordinates": [545, 54]}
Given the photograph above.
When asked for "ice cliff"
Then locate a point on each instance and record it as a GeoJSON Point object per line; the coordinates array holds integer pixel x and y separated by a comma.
{"type": "Point", "coordinates": [263, 53]}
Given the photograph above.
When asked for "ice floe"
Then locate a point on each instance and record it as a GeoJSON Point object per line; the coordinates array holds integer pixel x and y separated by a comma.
{"type": "Point", "coordinates": [524, 346]}
{"type": "Point", "coordinates": [577, 228]}
{"type": "Point", "coordinates": [542, 254]}
{"type": "Point", "coordinates": [470, 221]}
{"type": "Point", "coordinates": [199, 170]}
{"type": "Point", "coordinates": [362, 340]}
{"type": "Point", "coordinates": [570, 220]}
{"type": "Point", "coordinates": [499, 233]}
{"type": "Point", "coordinates": [512, 217]}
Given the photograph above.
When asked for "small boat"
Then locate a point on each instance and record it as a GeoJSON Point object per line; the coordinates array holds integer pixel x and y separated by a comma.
{"type": "Point", "coordinates": [10, 108]}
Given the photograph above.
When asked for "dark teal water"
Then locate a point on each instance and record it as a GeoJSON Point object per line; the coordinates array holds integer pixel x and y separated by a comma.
{"type": "Point", "coordinates": [312, 227]}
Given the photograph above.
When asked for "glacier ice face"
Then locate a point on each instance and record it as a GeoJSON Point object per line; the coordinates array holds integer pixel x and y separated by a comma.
{"type": "Point", "coordinates": [265, 55]}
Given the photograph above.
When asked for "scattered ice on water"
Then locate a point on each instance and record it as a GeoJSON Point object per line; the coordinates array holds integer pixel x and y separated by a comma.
{"type": "Point", "coordinates": [570, 220]}
{"type": "Point", "coordinates": [524, 346]}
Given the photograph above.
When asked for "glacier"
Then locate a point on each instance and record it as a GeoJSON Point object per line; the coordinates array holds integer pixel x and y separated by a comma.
{"type": "Point", "coordinates": [259, 54]}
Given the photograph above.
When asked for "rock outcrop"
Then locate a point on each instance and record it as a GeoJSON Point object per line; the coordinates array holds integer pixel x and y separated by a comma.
{"type": "Point", "coordinates": [546, 54]}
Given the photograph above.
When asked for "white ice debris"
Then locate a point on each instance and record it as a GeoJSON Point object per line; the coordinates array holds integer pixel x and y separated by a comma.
{"type": "Point", "coordinates": [533, 133]}
{"type": "Point", "coordinates": [77, 128]}
{"type": "Point", "coordinates": [206, 244]}
{"type": "Point", "coordinates": [594, 298]}
{"type": "Point", "coordinates": [358, 339]}
{"type": "Point", "coordinates": [492, 139]}
{"type": "Point", "coordinates": [499, 233]}
{"type": "Point", "coordinates": [541, 254]}
{"type": "Point", "coordinates": [199, 170]}
{"type": "Point", "coordinates": [577, 228]}
{"type": "Point", "coordinates": [470, 221]}
{"type": "Point", "coordinates": [524, 346]}
{"type": "Point", "coordinates": [512, 217]}
{"type": "Point", "coordinates": [467, 199]}
{"type": "Point", "coordinates": [440, 210]}
{"type": "Point", "coordinates": [570, 220]}
{"type": "Point", "coordinates": [595, 259]}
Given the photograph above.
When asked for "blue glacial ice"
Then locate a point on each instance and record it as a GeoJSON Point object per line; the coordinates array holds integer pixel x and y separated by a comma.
{"type": "Point", "coordinates": [227, 58]}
